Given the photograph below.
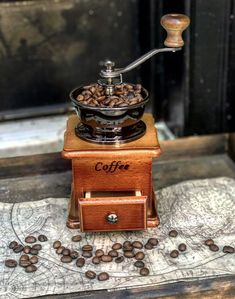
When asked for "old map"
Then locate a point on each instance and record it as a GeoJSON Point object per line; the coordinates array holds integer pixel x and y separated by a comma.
{"type": "Point", "coordinates": [197, 209]}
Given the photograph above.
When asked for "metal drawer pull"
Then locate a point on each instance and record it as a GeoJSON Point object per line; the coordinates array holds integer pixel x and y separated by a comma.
{"type": "Point", "coordinates": [112, 218]}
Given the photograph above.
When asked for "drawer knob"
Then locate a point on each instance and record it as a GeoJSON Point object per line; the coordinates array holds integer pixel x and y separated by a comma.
{"type": "Point", "coordinates": [112, 218]}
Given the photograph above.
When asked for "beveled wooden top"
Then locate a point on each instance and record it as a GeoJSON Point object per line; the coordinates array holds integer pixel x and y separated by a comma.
{"type": "Point", "coordinates": [75, 147]}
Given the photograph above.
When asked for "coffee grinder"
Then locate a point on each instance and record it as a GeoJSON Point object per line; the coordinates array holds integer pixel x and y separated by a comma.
{"type": "Point", "coordinates": [112, 148]}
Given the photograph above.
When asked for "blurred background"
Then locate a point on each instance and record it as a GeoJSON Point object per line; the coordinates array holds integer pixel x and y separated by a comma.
{"type": "Point", "coordinates": [48, 47]}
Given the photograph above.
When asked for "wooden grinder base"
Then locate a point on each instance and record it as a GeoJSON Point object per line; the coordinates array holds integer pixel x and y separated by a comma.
{"type": "Point", "coordinates": [112, 180]}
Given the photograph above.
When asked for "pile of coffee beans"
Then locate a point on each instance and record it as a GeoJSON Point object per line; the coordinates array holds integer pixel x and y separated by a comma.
{"type": "Point", "coordinates": [123, 95]}
{"type": "Point", "coordinates": [29, 258]}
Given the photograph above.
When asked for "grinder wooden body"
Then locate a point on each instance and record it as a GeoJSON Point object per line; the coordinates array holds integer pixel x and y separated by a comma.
{"type": "Point", "coordinates": [112, 184]}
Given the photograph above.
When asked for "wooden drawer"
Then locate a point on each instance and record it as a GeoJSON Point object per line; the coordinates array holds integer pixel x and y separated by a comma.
{"type": "Point", "coordinates": [113, 213]}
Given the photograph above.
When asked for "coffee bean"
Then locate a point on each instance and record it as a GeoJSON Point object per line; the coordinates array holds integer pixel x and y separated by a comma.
{"type": "Point", "coordinates": [119, 259]}
{"type": "Point", "coordinates": [103, 276]}
{"type": "Point", "coordinates": [90, 274]}
{"type": "Point", "coordinates": [66, 251]}
{"type": "Point", "coordinates": [127, 244]}
{"type": "Point", "coordinates": [96, 260]}
{"type": "Point", "coordinates": [182, 247]}
{"type": "Point", "coordinates": [34, 259]}
{"type": "Point", "coordinates": [80, 98]}
{"type": "Point", "coordinates": [87, 248]}
{"type": "Point", "coordinates": [148, 246]}
{"type": "Point", "coordinates": [60, 249]}
{"type": "Point", "coordinates": [117, 246]}
{"type": "Point", "coordinates": [74, 254]}
{"type": "Point", "coordinates": [18, 248]}
{"type": "Point", "coordinates": [173, 233]}
{"type": "Point", "coordinates": [80, 262]}
{"type": "Point", "coordinates": [174, 253]}
{"type": "Point", "coordinates": [27, 249]}
{"type": "Point", "coordinates": [106, 258]}
{"type": "Point", "coordinates": [77, 238]}
{"type": "Point", "coordinates": [139, 264]}
{"type": "Point", "coordinates": [99, 252]}
{"type": "Point", "coordinates": [214, 247]}
{"type": "Point", "coordinates": [30, 269]}
{"type": "Point", "coordinates": [127, 247]}
{"type": "Point", "coordinates": [209, 242]}
{"type": "Point", "coordinates": [56, 244]}
{"type": "Point", "coordinates": [66, 259]}
{"type": "Point", "coordinates": [33, 251]}
{"type": "Point", "coordinates": [10, 263]}
{"type": "Point", "coordinates": [87, 254]}
{"type": "Point", "coordinates": [228, 249]}
{"type": "Point", "coordinates": [30, 239]}
{"type": "Point", "coordinates": [139, 256]}
{"type": "Point", "coordinates": [24, 257]}
{"type": "Point", "coordinates": [137, 244]}
{"type": "Point", "coordinates": [113, 253]}
{"type": "Point", "coordinates": [153, 241]}
{"type": "Point", "coordinates": [144, 271]}
{"type": "Point", "coordinates": [42, 238]}
{"type": "Point", "coordinates": [24, 264]}
{"type": "Point", "coordinates": [13, 244]}
{"type": "Point", "coordinates": [129, 254]}
{"type": "Point", "coordinates": [37, 247]}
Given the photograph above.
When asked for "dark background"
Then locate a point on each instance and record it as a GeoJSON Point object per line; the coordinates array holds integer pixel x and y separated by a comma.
{"type": "Point", "coordinates": [48, 47]}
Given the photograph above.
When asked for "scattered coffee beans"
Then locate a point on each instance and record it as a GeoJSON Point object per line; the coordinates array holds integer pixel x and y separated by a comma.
{"type": "Point", "coordinates": [66, 259]}
{"type": "Point", "coordinates": [99, 252]}
{"type": "Point", "coordinates": [56, 244]}
{"type": "Point", "coordinates": [77, 238]}
{"type": "Point", "coordinates": [127, 244]}
{"type": "Point", "coordinates": [139, 256]}
{"type": "Point", "coordinates": [66, 251]}
{"type": "Point", "coordinates": [214, 247]}
{"type": "Point", "coordinates": [174, 253]}
{"type": "Point", "coordinates": [113, 253]}
{"type": "Point", "coordinates": [18, 248]}
{"type": "Point", "coordinates": [209, 242]}
{"type": "Point", "coordinates": [74, 254]}
{"type": "Point", "coordinates": [24, 264]}
{"type": "Point", "coordinates": [10, 263]}
{"type": "Point", "coordinates": [173, 233]}
{"type": "Point", "coordinates": [103, 276]}
{"type": "Point", "coordinates": [228, 249]}
{"type": "Point", "coordinates": [87, 254]}
{"type": "Point", "coordinates": [90, 274]}
{"type": "Point", "coordinates": [137, 244]}
{"type": "Point", "coordinates": [139, 264]}
{"type": "Point", "coordinates": [30, 239]}
{"type": "Point", "coordinates": [182, 247]}
{"type": "Point", "coordinates": [119, 259]}
{"type": "Point", "coordinates": [96, 260]}
{"type": "Point", "coordinates": [117, 246]}
{"type": "Point", "coordinates": [13, 244]}
{"type": "Point", "coordinates": [42, 238]}
{"type": "Point", "coordinates": [153, 241]}
{"type": "Point", "coordinates": [60, 249]}
{"type": "Point", "coordinates": [129, 254]}
{"type": "Point", "coordinates": [33, 251]}
{"type": "Point", "coordinates": [144, 271]}
{"type": "Point", "coordinates": [27, 249]}
{"type": "Point", "coordinates": [30, 269]}
{"type": "Point", "coordinates": [148, 246]}
{"type": "Point", "coordinates": [106, 258]}
{"type": "Point", "coordinates": [80, 262]}
{"type": "Point", "coordinates": [87, 248]}
{"type": "Point", "coordinates": [34, 259]}
{"type": "Point", "coordinates": [37, 247]}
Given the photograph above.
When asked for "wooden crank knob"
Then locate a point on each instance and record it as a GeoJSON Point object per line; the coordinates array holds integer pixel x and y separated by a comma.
{"type": "Point", "coordinates": [174, 24]}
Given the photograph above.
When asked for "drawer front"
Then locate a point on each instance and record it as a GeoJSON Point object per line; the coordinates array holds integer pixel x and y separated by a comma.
{"type": "Point", "coordinates": [113, 214]}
